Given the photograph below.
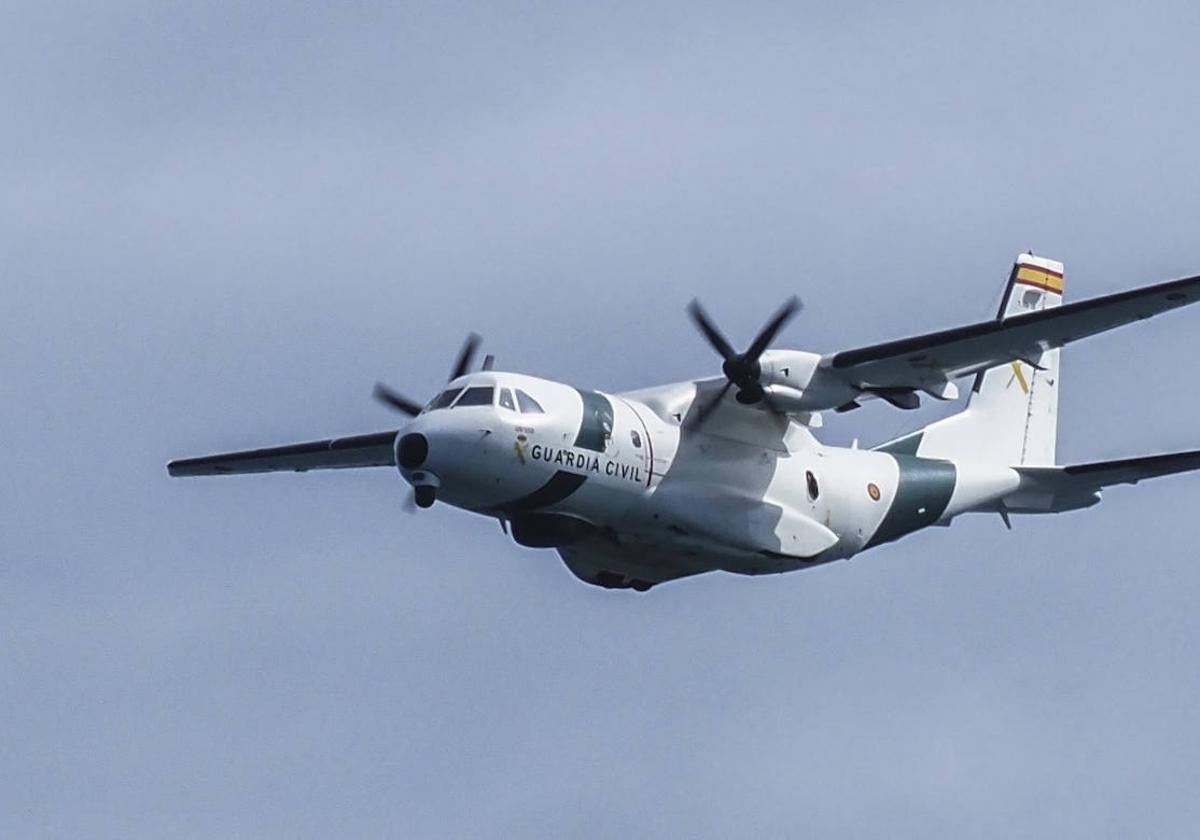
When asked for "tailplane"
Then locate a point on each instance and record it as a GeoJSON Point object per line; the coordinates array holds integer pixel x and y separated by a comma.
{"type": "Point", "coordinates": [1011, 417]}
{"type": "Point", "coordinates": [1057, 489]}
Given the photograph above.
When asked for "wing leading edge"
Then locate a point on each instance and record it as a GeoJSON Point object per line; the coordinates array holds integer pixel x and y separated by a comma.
{"type": "Point", "coordinates": [922, 360]}
{"type": "Point", "coordinates": [373, 450]}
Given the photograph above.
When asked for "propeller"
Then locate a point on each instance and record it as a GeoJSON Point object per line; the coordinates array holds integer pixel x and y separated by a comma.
{"type": "Point", "coordinates": [741, 369]}
{"type": "Point", "coordinates": [463, 363]}
{"type": "Point", "coordinates": [423, 496]}
{"type": "Point", "coordinates": [395, 400]}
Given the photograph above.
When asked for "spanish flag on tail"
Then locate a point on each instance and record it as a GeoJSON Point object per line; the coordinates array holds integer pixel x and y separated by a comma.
{"type": "Point", "coordinates": [1036, 283]}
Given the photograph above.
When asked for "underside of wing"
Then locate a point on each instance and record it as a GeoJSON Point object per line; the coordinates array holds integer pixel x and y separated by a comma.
{"type": "Point", "coordinates": [924, 361]}
{"type": "Point", "coordinates": [373, 450]}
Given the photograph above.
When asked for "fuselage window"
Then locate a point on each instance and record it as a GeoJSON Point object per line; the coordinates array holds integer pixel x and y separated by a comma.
{"type": "Point", "coordinates": [637, 439]}
{"type": "Point", "coordinates": [506, 400]}
{"type": "Point", "coordinates": [528, 404]}
{"type": "Point", "coordinates": [479, 395]}
{"type": "Point", "coordinates": [443, 399]}
{"type": "Point", "coordinates": [813, 489]}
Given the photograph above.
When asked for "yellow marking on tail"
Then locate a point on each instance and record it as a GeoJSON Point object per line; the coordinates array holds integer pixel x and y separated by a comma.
{"type": "Point", "coordinates": [1019, 377]}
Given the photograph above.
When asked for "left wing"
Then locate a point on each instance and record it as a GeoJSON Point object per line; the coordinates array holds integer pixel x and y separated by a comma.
{"type": "Point", "coordinates": [373, 450]}
{"type": "Point", "coordinates": [925, 361]}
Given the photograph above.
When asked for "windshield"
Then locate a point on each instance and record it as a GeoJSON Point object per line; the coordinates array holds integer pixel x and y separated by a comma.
{"type": "Point", "coordinates": [443, 399]}
{"type": "Point", "coordinates": [479, 395]}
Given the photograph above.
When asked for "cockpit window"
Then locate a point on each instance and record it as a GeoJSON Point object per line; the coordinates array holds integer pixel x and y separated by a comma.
{"type": "Point", "coordinates": [479, 395]}
{"type": "Point", "coordinates": [506, 400]}
{"type": "Point", "coordinates": [443, 399]}
{"type": "Point", "coordinates": [528, 404]}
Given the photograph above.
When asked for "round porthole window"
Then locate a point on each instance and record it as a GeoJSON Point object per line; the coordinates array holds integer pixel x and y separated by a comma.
{"type": "Point", "coordinates": [814, 489]}
{"type": "Point", "coordinates": [636, 438]}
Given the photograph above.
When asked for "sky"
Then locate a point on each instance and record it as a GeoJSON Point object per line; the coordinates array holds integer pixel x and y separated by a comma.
{"type": "Point", "coordinates": [220, 223]}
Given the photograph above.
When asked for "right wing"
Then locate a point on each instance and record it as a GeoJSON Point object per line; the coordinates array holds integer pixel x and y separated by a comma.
{"type": "Point", "coordinates": [925, 360]}
{"type": "Point", "coordinates": [373, 450]}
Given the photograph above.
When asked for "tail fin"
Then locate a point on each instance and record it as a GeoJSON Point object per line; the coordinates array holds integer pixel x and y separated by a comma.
{"type": "Point", "coordinates": [1011, 417]}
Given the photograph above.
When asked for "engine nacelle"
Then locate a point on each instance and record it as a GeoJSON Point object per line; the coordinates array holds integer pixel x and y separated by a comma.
{"type": "Point", "coordinates": [795, 382]}
{"type": "Point", "coordinates": [785, 399]}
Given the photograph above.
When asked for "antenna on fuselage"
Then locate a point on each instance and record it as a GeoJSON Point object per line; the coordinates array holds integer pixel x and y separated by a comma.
{"type": "Point", "coordinates": [488, 361]}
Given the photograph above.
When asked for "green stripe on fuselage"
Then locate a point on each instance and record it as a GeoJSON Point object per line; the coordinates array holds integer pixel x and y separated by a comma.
{"type": "Point", "coordinates": [922, 494]}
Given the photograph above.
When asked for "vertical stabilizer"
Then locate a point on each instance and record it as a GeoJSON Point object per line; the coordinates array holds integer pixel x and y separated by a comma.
{"type": "Point", "coordinates": [1011, 417]}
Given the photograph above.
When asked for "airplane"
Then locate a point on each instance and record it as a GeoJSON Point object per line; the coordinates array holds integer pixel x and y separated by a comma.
{"type": "Point", "coordinates": [724, 473]}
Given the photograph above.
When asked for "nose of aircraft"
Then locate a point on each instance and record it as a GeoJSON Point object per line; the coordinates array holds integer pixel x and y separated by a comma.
{"type": "Point", "coordinates": [439, 455]}
{"type": "Point", "coordinates": [412, 450]}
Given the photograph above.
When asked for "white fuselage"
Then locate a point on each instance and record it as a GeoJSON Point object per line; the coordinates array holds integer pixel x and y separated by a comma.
{"type": "Point", "coordinates": [624, 479]}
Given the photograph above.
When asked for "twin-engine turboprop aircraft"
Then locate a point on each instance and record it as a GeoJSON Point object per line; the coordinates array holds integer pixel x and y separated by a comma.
{"type": "Point", "coordinates": [638, 488]}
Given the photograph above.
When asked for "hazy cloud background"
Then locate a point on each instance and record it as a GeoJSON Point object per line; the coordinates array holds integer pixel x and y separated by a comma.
{"type": "Point", "coordinates": [221, 222]}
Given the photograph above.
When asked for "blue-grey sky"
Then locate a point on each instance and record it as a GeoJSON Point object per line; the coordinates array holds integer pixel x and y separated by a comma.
{"type": "Point", "coordinates": [221, 222]}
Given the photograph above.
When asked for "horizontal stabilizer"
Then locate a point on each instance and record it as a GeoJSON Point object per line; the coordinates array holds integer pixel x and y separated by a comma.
{"type": "Point", "coordinates": [373, 450]}
{"type": "Point", "coordinates": [1055, 489]}
{"type": "Point", "coordinates": [1126, 471]}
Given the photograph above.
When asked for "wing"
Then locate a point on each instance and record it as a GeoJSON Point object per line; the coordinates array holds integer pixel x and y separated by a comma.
{"type": "Point", "coordinates": [373, 450]}
{"type": "Point", "coordinates": [926, 360]}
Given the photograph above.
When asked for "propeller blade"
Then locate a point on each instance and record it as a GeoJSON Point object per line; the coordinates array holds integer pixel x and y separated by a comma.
{"type": "Point", "coordinates": [767, 334]}
{"type": "Point", "coordinates": [465, 356]}
{"type": "Point", "coordinates": [396, 400]}
{"type": "Point", "coordinates": [706, 326]}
